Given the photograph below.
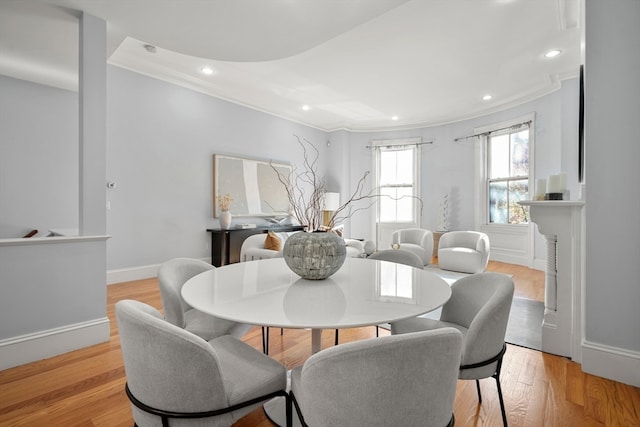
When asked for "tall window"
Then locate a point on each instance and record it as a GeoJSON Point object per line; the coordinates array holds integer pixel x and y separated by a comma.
{"type": "Point", "coordinates": [396, 182]}
{"type": "Point", "coordinates": [508, 177]}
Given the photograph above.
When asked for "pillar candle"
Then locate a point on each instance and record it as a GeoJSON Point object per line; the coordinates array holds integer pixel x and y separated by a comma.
{"type": "Point", "coordinates": [553, 186]}
{"type": "Point", "coordinates": [562, 178]}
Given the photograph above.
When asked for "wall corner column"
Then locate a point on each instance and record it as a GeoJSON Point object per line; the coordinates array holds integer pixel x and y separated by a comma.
{"type": "Point", "coordinates": [92, 120]}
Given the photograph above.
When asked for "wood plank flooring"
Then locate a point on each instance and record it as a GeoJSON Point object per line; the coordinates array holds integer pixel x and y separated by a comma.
{"type": "Point", "coordinates": [86, 387]}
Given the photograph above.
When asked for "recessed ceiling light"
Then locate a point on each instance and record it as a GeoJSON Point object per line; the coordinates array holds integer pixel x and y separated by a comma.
{"type": "Point", "coordinates": [207, 70]}
{"type": "Point", "coordinates": [394, 118]}
{"type": "Point", "coordinates": [306, 107]}
{"type": "Point", "coordinates": [487, 97]}
{"type": "Point", "coordinates": [552, 53]}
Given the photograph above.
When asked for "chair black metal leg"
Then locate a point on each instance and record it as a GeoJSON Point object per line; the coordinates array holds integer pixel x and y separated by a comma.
{"type": "Point", "coordinates": [502, 409]}
{"type": "Point", "coordinates": [265, 340]}
{"type": "Point", "coordinates": [336, 337]}
{"type": "Point", "coordinates": [479, 394]}
{"type": "Point", "coordinates": [377, 331]}
{"type": "Point", "coordinates": [289, 413]}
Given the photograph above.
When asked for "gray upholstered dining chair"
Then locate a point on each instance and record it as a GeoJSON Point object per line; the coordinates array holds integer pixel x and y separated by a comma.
{"type": "Point", "coordinates": [404, 380]}
{"type": "Point", "coordinates": [175, 375]}
{"type": "Point", "coordinates": [172, 275]}
{"type": "Point", "coordinates": [398, 256]}
{"type": "Point", "coordinates": [416, 240]}
{"type": "Point", "coordinates": [479, 308]}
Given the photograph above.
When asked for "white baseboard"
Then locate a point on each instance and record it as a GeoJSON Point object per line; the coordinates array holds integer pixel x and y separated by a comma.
{"type": "Point", "coordinates": [133, 273]}
{"type": "Point", "coordinates": [508, 257]}
{"type": "Point", "coordinates": [28, 348]}
{"type": "Point", "coordinates": [137, 273]}
{"type": "Point", "coordinates": [611, 362]}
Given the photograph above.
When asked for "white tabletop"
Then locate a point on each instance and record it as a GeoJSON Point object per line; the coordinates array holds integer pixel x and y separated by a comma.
{"type": "Point", "coordinates": [363, 292]}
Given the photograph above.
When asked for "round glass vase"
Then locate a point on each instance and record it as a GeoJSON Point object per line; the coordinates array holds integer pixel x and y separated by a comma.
{"type": "Point", "coordinates": [314, 256]}
{"type": "Point", "coordinates": [225, 220]}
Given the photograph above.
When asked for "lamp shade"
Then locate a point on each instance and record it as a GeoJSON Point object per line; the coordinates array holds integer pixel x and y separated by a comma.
{"type": "Point", "coordinates": [331, 201]}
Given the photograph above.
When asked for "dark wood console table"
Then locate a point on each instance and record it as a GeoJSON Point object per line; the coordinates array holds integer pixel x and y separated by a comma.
{"type": "Point", "coordinates": [226, 244]}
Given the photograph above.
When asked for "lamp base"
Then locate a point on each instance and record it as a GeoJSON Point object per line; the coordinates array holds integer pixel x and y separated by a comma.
{"type": "Point", "coordinates": [326, 217]}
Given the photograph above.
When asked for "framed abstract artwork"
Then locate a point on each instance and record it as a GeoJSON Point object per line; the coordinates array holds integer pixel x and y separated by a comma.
{"type": "Point", "coordinates": [252, 184]}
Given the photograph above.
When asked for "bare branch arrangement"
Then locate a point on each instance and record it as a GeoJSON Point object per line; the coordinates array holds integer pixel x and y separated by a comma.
{"type": "Point", "coordinates": [305, 191]}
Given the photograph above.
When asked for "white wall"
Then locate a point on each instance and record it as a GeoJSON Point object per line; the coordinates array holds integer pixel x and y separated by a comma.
{"type": "Point", "coordinates": [38, 158]}
{"type": "Point", "coordinates": [53, 294]}
{"type": "Point", "coordinates": [161, 139]}
{"type": "Point", "coordinates": [53, 297]}
{"type": "Point", "coordinates": [612, 93]}
{"type": "Point", "coordinates": [448, 166]}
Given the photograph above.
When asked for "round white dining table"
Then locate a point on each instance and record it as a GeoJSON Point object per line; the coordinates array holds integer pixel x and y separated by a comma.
{"type": "Point", "coordinates": [363, 292]}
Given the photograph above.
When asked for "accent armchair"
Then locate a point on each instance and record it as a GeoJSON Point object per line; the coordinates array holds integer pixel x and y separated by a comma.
{"type": "Point", "coordinates": [416, 240]}
{"type": "Point", "coordinates": [464, 251]}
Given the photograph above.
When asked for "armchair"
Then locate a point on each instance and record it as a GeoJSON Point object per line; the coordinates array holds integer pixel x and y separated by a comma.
{"type": "Point", "coordinates": [416, 240]}
{"type": "Point", "coordinates": [464, 251]}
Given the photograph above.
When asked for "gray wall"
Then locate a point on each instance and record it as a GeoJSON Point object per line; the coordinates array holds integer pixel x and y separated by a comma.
{"type": "Point", "coordinates": [38, 158]}
{"type": "Point", "coordinates": [162, 138]}
{"type": "Point", "coordinates": [449, 166]}
{"type": "Point", "coordinates": [612, 90]}
{"type": "Point", "coordinates": [53, 288]}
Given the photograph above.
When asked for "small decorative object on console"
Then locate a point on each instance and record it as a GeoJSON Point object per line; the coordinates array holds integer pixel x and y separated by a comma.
{"type": "Point", "coordinates": [224, 202]}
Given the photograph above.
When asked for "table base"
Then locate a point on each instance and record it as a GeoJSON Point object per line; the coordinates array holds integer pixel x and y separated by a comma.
{"type": "Point", "coordinates": [276, 411]}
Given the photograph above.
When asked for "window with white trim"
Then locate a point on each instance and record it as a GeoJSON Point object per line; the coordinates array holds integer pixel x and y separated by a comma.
{"type": "Point", "coordinates": [508, 176]}
{"type": "Point", "coordinates": [396, 184]}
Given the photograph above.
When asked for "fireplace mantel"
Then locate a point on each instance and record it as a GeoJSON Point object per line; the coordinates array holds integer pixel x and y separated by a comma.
{"type": "Point", "coordinates": [560, 222]}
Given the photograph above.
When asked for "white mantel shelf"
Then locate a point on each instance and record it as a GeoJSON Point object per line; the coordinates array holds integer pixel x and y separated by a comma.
{"type": "Point", "coordinates": [555, 203]}
{"type": "Point", "coordinates": [561, 224]}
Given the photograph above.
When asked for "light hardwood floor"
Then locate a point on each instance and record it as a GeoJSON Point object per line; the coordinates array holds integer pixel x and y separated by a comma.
{"type": "Point", "coordinates": [86, 387]}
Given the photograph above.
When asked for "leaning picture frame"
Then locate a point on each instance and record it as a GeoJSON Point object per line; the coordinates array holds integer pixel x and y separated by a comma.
{"type": "Point", "coordinates": [253, 185]}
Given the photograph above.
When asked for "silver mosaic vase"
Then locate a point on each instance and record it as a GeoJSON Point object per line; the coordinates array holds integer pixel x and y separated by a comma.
{"type": "Point", "coordinates": [314, 256]}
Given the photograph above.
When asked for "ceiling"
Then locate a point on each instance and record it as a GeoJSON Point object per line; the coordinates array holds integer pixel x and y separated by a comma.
{"type": "Point", "coordinates": [354, 63]}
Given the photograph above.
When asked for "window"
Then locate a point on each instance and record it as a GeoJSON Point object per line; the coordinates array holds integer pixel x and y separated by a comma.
{"type": "Point", "coordinates": [396, 183]}
{"type": "Point", "coordinates": [508, 176]}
